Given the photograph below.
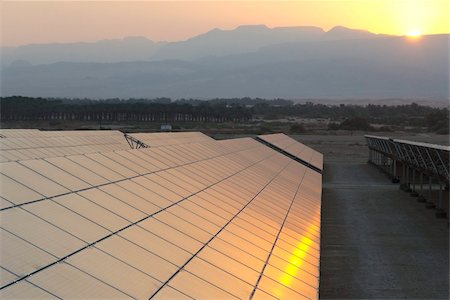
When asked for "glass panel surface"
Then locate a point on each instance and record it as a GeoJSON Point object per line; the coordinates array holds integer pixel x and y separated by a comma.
{"type": "Point", "coordinates": [145, 193]}
{"type": "Point", "coordinates": [236, 268]}
{"type": "Point", "coordinates": [5, 203]}
{"type": "Point", "coordinates": [77, 170]}
{"type": "Point", "coordinates": [6, 277]}
{"type": "Point", "coordinates": [249, 236]}
{"type": "Point", "coordinates": [121, 208]}
{"type": "Point", "coordinates": [172, 186]}
{"type": "Point", "coordinates": [66, 282]}
{"type": "Point", "coordinates": [261, 295]}
{"type": "Point", "coordinates": [240, 254]}
{"type": "Point", "coordinates": [111, 164]}
{"type": "Point", "coordinates": [115, 273]}
{"type": "Point", "coordinates": [172, 235]}
{"type": "Point", "coordinates": [204, 213]}
{"type": "Point", "coordinates": [38, 232]}
{"type": "Point", "coordinates": [193, 218]}
{"type": "Point", "coordinates": [156, 245]}
{"type": "Point", "coordinates": [67, 220]}
{"type": "Point", "coordinates": [243, 244]}
{"type": "Point", "coordinates": [95, 167]}
{"type": "Point", "coordinates": [148, 156]}
{"type": "Point", "coordinates": [181, 180]}
{"type": "Point", "coordinates": [56, 174]}
{"type": "Point", "coordinates": [130, 198]}
{"type": "Point", "coordinates": [32, 179]}
{"type": "Point", "coordinates": [15, 192]}
{"type": "Point", "coordinates": [219, 277]}
{"type": "Point", "coordinates": [93, 211]}
{"type": "Point", "coordinates": [198, 288]}
{"type": "Point", "coordinates": [21, 257]}
{"type": "Point", "coordinates": [130, 156]}
{"type": "Point", "coordinates": [169, 293]}
{"type": "Point", "coordinates": [281, 291]}
{"type": "Point", "coordinates": [215, 208]}
{"type": "Point", "coordinates": [296, 268]}
{"type": "Point", "coordinates": [25, 290]}
{"type": "Point", "coordinates": [184, 226]}
{"type": "Point", "coordinates": [125, 162]}
{"type": "Point", "coordinates": [138, 257]}
{"type": "Point", "coordinates": [156, 188]}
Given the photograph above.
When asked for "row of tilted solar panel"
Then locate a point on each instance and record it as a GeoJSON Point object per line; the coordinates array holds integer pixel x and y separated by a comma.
{"type": "Point", "coordinates": [112, 166]}
{"type": "Point", "coordinates": [170, 138]}
{"type": "Point", "coordinates": [295, 148]}
{"type": "Point", "coordinates": [31, 144]}
{"type": "Point", "coordinates": [18, 133]}
{"type": "Point", "coordinates": [35, 133]}
{"type": "Point", "coordinates": [197, 221]}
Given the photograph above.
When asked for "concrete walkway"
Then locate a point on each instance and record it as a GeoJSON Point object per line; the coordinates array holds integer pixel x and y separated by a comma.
{"type": "Point", "coordinates": [377, 241]}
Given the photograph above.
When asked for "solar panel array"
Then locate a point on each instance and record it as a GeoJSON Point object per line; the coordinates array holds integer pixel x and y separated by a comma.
{"type": "Point", "coordinates": [304, 153]}
{"type": "Point", "coordinates": [18, 133]}
{"type": "Point", "coordinates": [169, 138]}
{"type": "Point", "coordinates": [428, 158]}
{"type": "Point", "coordinates": [203, 220]}
{"type": "Point", "coordinates": [30, 144]}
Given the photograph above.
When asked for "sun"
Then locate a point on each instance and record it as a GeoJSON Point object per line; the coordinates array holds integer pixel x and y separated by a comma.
{"type": "Point", "coordinates": [414, 33]}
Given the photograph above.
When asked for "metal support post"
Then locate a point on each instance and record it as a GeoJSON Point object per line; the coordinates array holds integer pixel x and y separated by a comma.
{"type": "Point", "coordinates": [440, 213]}
{"type": "Point", "coordinates": [414, 192]}
{"type": "Point", "coordinates": [421, 197]}
{"type": "Point", "coordinates": [430, 203]}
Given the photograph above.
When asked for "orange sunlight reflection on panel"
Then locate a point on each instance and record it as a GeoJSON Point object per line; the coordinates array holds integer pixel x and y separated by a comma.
{"type": "Point", "coordinates": [296, 260]}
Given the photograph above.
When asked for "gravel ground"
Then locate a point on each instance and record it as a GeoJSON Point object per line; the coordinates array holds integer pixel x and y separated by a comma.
{"type": "Point", "coordinates": [377, 242]}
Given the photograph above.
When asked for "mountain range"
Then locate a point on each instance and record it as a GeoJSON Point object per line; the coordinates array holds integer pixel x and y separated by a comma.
{"type": "Point", "coordinates": [255, 61]}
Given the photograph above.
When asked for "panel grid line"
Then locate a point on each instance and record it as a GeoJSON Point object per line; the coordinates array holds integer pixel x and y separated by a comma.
{"type": "Point", "coordinates": [276, 239]}
{"type": "Point", "coordinates": [215, 235]}
{"type": "Point", "coordinates": [120, 230]}
{"type": "Point", "coordinates": [111, 182]}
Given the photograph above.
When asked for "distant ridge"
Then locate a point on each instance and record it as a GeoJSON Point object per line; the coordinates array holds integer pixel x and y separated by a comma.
{"type": "Point", "coordinates": [254, 61]}
{"type": "Point", "coordinates": [216, 42]}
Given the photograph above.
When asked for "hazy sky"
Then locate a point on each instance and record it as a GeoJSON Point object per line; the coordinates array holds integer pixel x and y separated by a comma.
{"type": "Point", "coordinates": [25, 22]}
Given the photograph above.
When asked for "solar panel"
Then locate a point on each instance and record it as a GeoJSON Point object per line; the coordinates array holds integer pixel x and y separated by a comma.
{"type": "Point", "coordinates": [292, 147]}
{"type": "Point", "coordinates": [159, 139]}
{"type": "Point", "coordinates": [31, 144]}
{"type": "Point", "coordinates": [426, 157]}
{"type": "Point", "coordinates": [18, 133]}
{"type": "Point", "coordinates": [209, 219]}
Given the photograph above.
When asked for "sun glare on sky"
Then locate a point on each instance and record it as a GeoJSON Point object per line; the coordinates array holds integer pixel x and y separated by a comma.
{"type": "Point", "coordinates": [414, 33]}
{"type": "Point", "coordinates": [59, 21]}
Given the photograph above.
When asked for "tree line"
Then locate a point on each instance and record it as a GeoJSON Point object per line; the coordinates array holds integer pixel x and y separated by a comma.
{"type": "Point", "coordinates": [240, 110]}
{"type": "Point", "coordinates": [40, 109]}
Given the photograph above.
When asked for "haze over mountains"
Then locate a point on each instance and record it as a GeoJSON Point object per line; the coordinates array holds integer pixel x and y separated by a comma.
{"type": "Point", "coordinates": [255, 61]}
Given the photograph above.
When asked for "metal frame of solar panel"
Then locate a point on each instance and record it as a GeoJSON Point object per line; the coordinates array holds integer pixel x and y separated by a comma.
{"type": "Point", "coordinates": [408, 162]}
{"type": "Point", "coordinates": [228, 219]}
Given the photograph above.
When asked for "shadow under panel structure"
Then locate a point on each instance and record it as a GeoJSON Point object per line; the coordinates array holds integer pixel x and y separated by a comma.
{"type": "Point", "coordinates": [208, 219]}
{"type": "Point", "coordinates": [421, 169]}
